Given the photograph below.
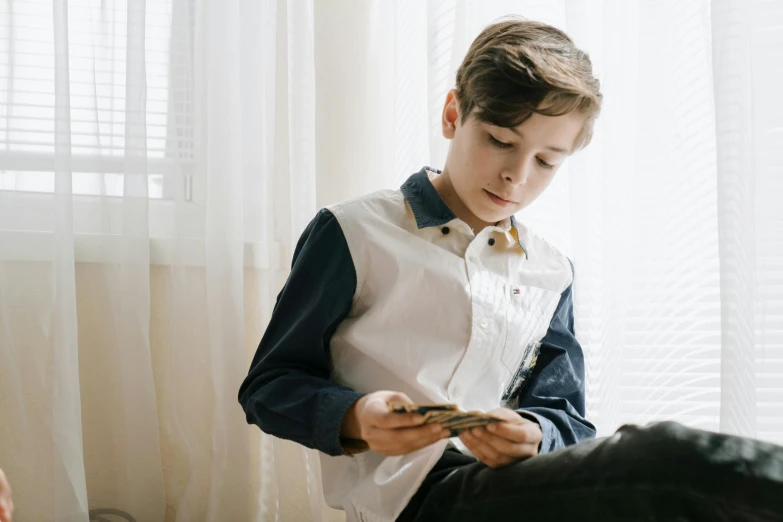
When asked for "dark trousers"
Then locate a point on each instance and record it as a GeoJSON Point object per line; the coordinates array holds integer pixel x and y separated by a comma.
{"type": "Point", "coordinates": [663, 471]}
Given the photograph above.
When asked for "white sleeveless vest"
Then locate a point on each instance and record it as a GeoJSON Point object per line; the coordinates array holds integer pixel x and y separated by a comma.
{"type": "Point", "coordinates": [440, 315]}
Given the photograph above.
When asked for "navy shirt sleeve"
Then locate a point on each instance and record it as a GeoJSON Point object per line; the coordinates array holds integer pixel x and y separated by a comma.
{"type": "Point", "coordinates": [555, 396]}
{"type": "Point", "coordinates": [288, 392]}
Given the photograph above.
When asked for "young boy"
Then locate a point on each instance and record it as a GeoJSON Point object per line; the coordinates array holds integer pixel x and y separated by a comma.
{"type": "Point", "coordinates": [435, 293]}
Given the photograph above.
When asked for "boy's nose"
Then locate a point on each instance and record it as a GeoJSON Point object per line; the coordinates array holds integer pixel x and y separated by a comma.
{"type": "Point", "coordinates": [518, 175]}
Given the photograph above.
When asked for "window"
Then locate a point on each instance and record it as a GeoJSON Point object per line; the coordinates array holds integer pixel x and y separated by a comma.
{"type": "Point", "coordinates": [97, 55]}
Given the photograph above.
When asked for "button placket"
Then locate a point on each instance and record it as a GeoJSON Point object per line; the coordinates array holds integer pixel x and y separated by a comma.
{"type": "Point", "coordinates": [486, 330]}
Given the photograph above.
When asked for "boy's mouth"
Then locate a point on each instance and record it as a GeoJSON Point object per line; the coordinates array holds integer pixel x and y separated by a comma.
{"type": "Point", "coordinates": [498, 200]}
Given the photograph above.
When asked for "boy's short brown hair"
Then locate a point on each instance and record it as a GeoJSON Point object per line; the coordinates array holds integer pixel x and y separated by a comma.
{"type": "Point", "coordinates": [517, 67]}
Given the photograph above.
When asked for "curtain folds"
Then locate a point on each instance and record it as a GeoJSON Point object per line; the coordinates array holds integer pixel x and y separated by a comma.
{"type": "Point", "coordinates": [159, 159]}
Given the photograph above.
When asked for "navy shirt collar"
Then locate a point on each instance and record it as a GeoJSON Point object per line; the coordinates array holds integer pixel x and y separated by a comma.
{"type": "Point", "coordinates": [428, 207]}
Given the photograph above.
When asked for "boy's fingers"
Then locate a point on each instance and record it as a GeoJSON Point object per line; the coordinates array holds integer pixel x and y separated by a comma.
{"type": "Point", "coordinates": [526, 433]}
{"type": "Point", "coordinates": [412, 436]}
{"type": "Point", "coordinates": [497, 451]}
{"type": "Point", "coordinates": [517, 450]}
{"type": "Point", "coordinates": [404, 440]}
{"type": "Point", "coordinates": [474, 447]}
{"type": "Point", "coordinates": [499, 444]}
{"type": "Point", "coordinates": [419, 443]}
{"type": "Point", "coordinates": [399, 420]}
{"type": "Point", "coordinates": [399, 397]}
{"type": "Point", "coordinates": [404, 434]}
{"type": "Point", "coordinates": [394, 397]}
{"type": "Point", "coordinates": [491, 452]}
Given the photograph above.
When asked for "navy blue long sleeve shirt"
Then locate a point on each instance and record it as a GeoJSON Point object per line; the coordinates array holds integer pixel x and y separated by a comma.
{"type": "Point", "coordinates": [288, 392]}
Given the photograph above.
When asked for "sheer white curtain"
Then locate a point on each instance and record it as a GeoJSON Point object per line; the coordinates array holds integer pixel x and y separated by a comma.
{"type": "Point", "coordinates": [143, 238]}
{"type": "Point", "coordinates": [159, 159]}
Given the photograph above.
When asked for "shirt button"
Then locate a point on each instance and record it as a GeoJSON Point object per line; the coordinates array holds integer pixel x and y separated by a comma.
{"type": "Point", "coordinates": [445, 230]}
{"type": "Point", "coordinates": [483, 323]}
{"type": "Point", "coordinates": [491, 241]}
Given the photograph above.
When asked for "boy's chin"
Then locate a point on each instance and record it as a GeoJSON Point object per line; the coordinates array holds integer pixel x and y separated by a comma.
{"type": "Point", "coordinates": [492, 213]}
{"type": "Point", "coordinates": [495, 217]}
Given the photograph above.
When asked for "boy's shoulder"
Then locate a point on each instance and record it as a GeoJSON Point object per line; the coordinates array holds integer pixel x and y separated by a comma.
{"type": "Point", "coordinates": [385, 204]}
{"type": "Point", "coordinates": [545, 257]}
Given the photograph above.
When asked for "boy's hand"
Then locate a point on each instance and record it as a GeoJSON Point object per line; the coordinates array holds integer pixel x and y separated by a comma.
{"type": "Point", "coordinates": [6, 504]}
{"type": "Point", "coordinates": [502, 443]}
{"type": "Point", "coordinates": [370, 420]}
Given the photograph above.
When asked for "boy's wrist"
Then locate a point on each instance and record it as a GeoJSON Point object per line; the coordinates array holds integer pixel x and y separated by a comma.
{"type": "Point", "coordinates": [533, 418]}
{"type": "Point", "coordinates": [350, 427]}
{"type": "Point", "coordinates": [350, 431]}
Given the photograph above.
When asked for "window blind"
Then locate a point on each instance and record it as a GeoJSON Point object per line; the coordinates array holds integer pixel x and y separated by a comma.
{"type": "Point", "coordinates": [97, 55]}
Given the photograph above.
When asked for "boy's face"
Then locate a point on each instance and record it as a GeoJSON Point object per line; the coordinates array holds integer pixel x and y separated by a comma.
{"type": "Point", "coordinates": [497, 171]}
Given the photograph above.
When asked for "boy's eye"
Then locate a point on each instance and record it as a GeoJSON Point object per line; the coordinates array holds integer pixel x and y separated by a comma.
{"type": "Point", "coordinates": [545, 164]}
{"type": "Point", "coordinates": [498, 143]}
{"type": "Point", "coordinates": [504, 145]}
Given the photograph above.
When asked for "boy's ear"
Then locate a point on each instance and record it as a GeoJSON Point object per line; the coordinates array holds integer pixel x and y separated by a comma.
{"type": "Point", "coordinates": [450, 117]}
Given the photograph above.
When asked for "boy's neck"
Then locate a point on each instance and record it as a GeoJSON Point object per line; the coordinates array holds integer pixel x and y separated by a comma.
{"type": "Point", "coordinates": [443, 185]}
